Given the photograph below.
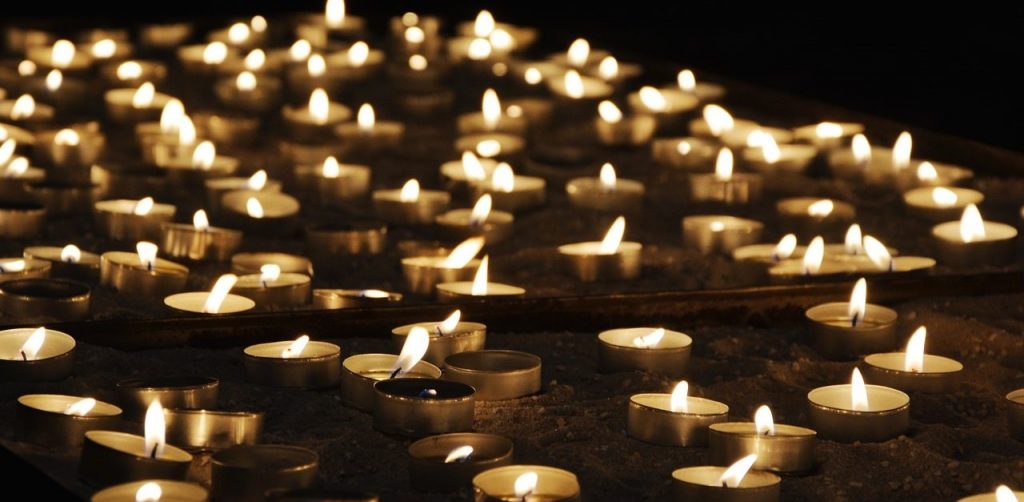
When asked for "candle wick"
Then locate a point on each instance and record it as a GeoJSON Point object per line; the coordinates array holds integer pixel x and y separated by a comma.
{"type": "Point", "coordinates": [855, 320]}
{"type": "Point", "coordinates": [152, 453]}
{"type": "Point", "coordinates": [439, 331]}
{"type": "Point", "coordinates": [149, 266]}
{"type": "Point", "coordinates": [396, 372]}
{"type": "Point", "coordinates": [724, 484]}
{"type": "Point", "coordinates": [24, 356]}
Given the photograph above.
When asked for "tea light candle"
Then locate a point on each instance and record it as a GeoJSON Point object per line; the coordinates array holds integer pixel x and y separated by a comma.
{"type": "Point", "coordinates": [213, 430]}
{"type": "Point", "coordinates": [13, 269]}
{"type": "Point", "coordinates": [1003, 493]}
{"type": "Point", "coordinates": [491, 118]}
{"type": "Point", "coordinates": [779, 447]}
{"type": "Point", "coordinates": [609, 259]}
{"type": "Point", "coordinates": [786, 248]}
{"type": "Point", "coordinates": [132, 220]}
{"type": "Point", "coordinates": [26, 112]}
{"type": "Point", "coordinates": [526, 482]}
{"type": "Point", "coordinates": [335, 22]}
{"type": "Point", "coordinates": [70, 150]}
{"type": "Point", "coordinates": [418, 407]}
{"type": "Point", "coordinates": [235, 129]}
{"type": "Point", "coordinates": [675, 419]}
{"type": "Point", "coordinates": [451, 336]}
{"type": "Point", "coordinates": [496, 374]}
{"type": "Point", "coordinates": [199, 241]}
{"type": "Point", "coordinates": [26, 299]}
{"type": "Point", "coordinates": [469, 170]}
{"type": "Point", "coordinates": [725, 185]}
{"type": "Point", "coordinates": [61, 198]}
{"type": "Point", "coordinates": [271, 288]}
{"type": "Point", "coordinates": [217, 301]}
{"type": "Point", "coordinates": [422, 273]}
{"type": "Point", "coordinates": [205, 59]}
{"type": "Point", "coordinates": [718, 233]}
{"type": "Point", "coordinates": [333, 299]}
{"type": "Point", "coordinates": [913, 370]}
{"type": "Point", "coordinates": [479, 287]}
{"type": "Point", "coordinates": [35, 355]}
{"type": "Point", "coordinates": [21, 220]}
{"type": "Point", "coordinates": [721, 484]}
{"type": "Point", "coordinates": [335, 183]}
{"type": "Point", "coordinates": [511, 192]}
{"type": "Point", "coordinates": [332, 240]}
{"type": "Point", "coordinates": [705, 91]}
{"type": "Point", "coordinates": [131, 106]}
{"type": "Point", "coordinates": [828, 135]}
{"type": "Point", "coordinates": [110, 457]}
{"type": "Point", "coordinates": [606, 192]}
{"type": "Point", "coordinates": [317, 120]}
{"type": "Point", "coordinates": [491, 144]}
{"type": "Point", "coordinates": [858, 412]}
{"type": "Point", "coordinates": [61, 421]}
{"type": "Point", "coordinates": [484, 26]}
{"type": "Point", "coordinates": [251, 263]}
{"type": "Point", "coordinates": [248, 472]}
{"type": "Point", "coordinates": [1015, 414]}
{"type": "Point", "coordinates": [653, 350]}
{"type": "Point", "coordinates": [940, 203]}
{"type": "Point", "coordinates": [615, 129]}
{"type": "Point", "coordinates": [811, 216]}
{"type": "Point", "coordinates": [178, 491]}
{"type": "Point", "coordinates": [298, 363]}
{"type": "Point", "coordinates": [61, 55]}
{"type": "Point", "coordinates": [448, 462]}
{"type": "Point", "coordinates": [141, 273]}
{"type": "Point", "coordinates": [410, 205]}
{"type": "Point", "coordinates": [974, 241]}
{"type": "Point", "coordinates": [716, 122]}
{"type": "Point", "coordinates": [771, 157]}
{"type": "Point", "coordinates": [190, 166]}
{"type": "Point", "coordinates": [132, 73]}
{"type": "Point", "coordinates": [812, 264]}
{"type": "Point", "coordinates": [176, 392]}
{"type": "Point", "coordinates": [17, 176]}
{"type": "Point", "coordinates": [257, 182]}
{"type": "Point", "coordinates": [261, 212]}
{"type": "Point", "coordinates": [684, 153]}
{"type": "Point", "coordinates": [360, 372]}
{"type": "Point", "coordinates": [933, 174]}
{"type": "Point", "coordinates": [844, 330]}
{"type": "Point", "coordinates": [667, 105]}
{"type": "Point", "coordinates": [68, 261]}
{"type": "Point", "coordinates": [459, 224]}
{"type": "Point", "coordinates": [368, 134]}
{"type": "Point", "coordinates": [577, 90]}
{"type": "Point", "coordinates": [878, 259]}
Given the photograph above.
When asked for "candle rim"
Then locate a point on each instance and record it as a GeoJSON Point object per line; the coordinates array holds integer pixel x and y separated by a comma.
{"type": "Point", "coordinates": [723, 409]}
{"type": "Point", "coordinates": [161, 267]}
{"type": "Point", "coordinates": [253, 281]}
{"type": "Point", "coordinates": [87, 259]}
{"type": "Point", "coordinates": [383, 363]}
{"type": "Point", "coordinates": [53, 338]}
{"type": "Point", "coordinates": [530, 362]}
{"type": "Point", "coordinates": [462, 328]}
{"type": "Point", "coordinates": [874, 360]}
{"type": "Point", "coordinates": [753, 480]}
{"type": "Point", "coordinates": [880, 315]}
{"type": "Point", "coordinates": [606, 338]}
{"type": "Point", "coordinates": [333, 351]}
{"type": "Point", "coordinates": [575, 248]}
{"type": "Point", "coordinates": [783, 432]}
{"type": "Point", "coordinates": [903, 397]}
{"type": "Point", "coordinates": [242, 304]}
{"type": "Point", "coordinates": [104, 439]}
{"type": "Point", "coordinates": [424, 449]}
{"type": "Point", "coordinates": [101, 410]}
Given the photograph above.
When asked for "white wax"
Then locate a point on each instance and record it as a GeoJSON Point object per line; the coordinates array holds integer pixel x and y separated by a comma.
{"type": "Point", "coordinates": [694, 405]}
{"type": "Point", "coordinates": [8, 131]}
{"type": "Point", "coordinates": [55, 344]}
{"type": "Point", "coordinates": [798, 207]}
{"type": "Point", "coordinates": [336, 114]}
{"type": "Point", "coordinates": [624, 337]}
{"type": "Point", "coordinates": [285, 280]}
{"type": "Point", "coordinates": [435, 262]}
{"type": "Point", "coordinates": [195, 302]}
{"type": "Point", "coordinates": [58, 403]}
{"type": "Point", "coordinates": [250, 263]}
{"type": "Point", "coordinates": [425, 197]}
{"type": "Point", "coordinates": [593, 248]}
{"type": "Point", "coordinates": [171, 491]}
{"type": "Point", "coordinates": [53, 253]}
{"type": "Point", "coordinates": [895, 361]}
{"type": "Point", "coordinates": [839, 397]}
{"type": "Point", "coordinates": [711, 476]}
{"type": "Point", "coordinates": [127, 206]}
{"type": "Point", "coordinates": [453, 169]}
{"type": "Point", "coordinates": [520, 184]}
{"type": "Point", "coordinates": [381, 366]}
{"type": "Point", "coordinates": [124, 98]}
{"type": "Point", "coordinates": [465, 288]}
{"type": "Point", "coordinates": [763, 252]}
{"type": "Point", "coordinates": [676, 101]}
{"type": "Point", "coordinates": [463, 218]}
{"type": "Point", "coordinates": [593, 88]}
{"type": "Point", "coordinates": [273, 350]}
{"type": "Point", "coordinates": [240, 183]}
{"type": "Point", "coordinates": [950, 231]}
{"type": "Point", "coordinates": [135, 445]}
{"type": "Point", "coordinates": [923, 198]}
{"type": "Point", "coordinates": [275, 205]}
{"type": "Point", "coordinates": [510, 144]}
{"type": "Point", "coordinates": [592, 187]}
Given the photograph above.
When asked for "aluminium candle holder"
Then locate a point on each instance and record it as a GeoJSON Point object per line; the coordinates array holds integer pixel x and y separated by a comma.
{"type": "Point", "coordinates": [649, 418]}
{"type": "Point", "coordinates": [527, 192]}
{"type": "Point", "coordinates": [21, 220]}
{"type": "Point", "coordinates": [115, 219]}
{"type": "Point", "coordinates": [248, 472]}
{"type": "Point", "coordinates": [466, 336]}
{"type": "Point", "coordinates": [588, 265]}
{"type": "Point", "coordinates": [458, 225]}
{"type": "Point", "coordinates": [430, 472]}
{"type": "Point", "coordinates": [617, 352]}
{"type": "Point", "coordinates": [360, 372]}
{"type": "Point", "coordinates": [58, 299]}
{"type": "Point", "coordinates": [588, 192]}
{"type": "Point", "coordinates": [356, 238]}
{"type": "Point", "coordinates": [318, 366]}
{"type": "Point", "coordinates": [739, 188]}
{"type": "Point", "coordinates": [710, 234]}
{"type": "Point", "coordinates": [389, 207]}
{"type": "Point", "coordinates": [125, 273]}
{"type": "Point", "coordinates": [684, 153]}
{"type": "Point", "coordinates": [227, 129]}
{"type": "Point", "coordinates": [789, 449]}
{"type": "Point", "coordinates": [212, 430]}
{"type": "Point", "coordinates": [179, 392]}
{"type": "Point", "coordinates": [290, 289]}
{"type": "Point", "coordinates": [837, 339]}
{"type": "Point", "coordinates": [553, 485]}
{"type": "Point", "coordinates": [939, 375]}
{"type": "Point", "coordinates": [62, 199]}
{"type": "Point", "coordinates": [41, 419]}
{"type": "Point", "coordinates": [423, 273]}
{"type": "Point", "coordinates": [185, 241]}
{"type": "Point", "coordinates": [177, 491]}
{"type": "Point", "coordinates": [32, 269]}
{"type": "Point", "coordinates": [86, 268]}
{"type": "Point", "coordinates": [110, 458]}
{"type": "Point", "coordinates": [702, 483]}
{"type": "Point", "coordinates": [417, 407]}
{"type": "Point", "coordinates": [262, 98]}
{"type": "Point", "coordinates": [830, 414]}
{"type": "Point", "coordinates": [53, 362]}
{"type": "Point", "coordinates": [334, 299]}
{"type": "Point", "coordinates": [250, 263]}
{"type": "Point", "coordinates": [495, 374]}
{"type": "Point", "coordinates": [999, 247]}
{"type": "Point", "coordinates": [630, 131]}
{"type": "Point", "coordinates": [63, 159]}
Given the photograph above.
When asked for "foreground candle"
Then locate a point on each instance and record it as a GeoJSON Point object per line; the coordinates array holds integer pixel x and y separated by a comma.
{"type": "Point", "coordinates": [526, 483]}
{"type": "Point", "coordinates": [719, 233]}
{"type": "Point", "coordinates": [914, 370]}
{"type": "Point", "coordinates": [410, 205]}
{"type": "Point", "coordinates": [779, 447]}
{"type": "Point", "coordinates": [248, 472]}
{"type": "Point", "coordinates": [423, 273]}
{"type": "Point", "coordinates": [606, 192]}
{"type": "Point", "coordinates": [858, 412]}
{"type": "Point", "coordinates": [61, 421]}
{"type": "Point", "coordinates": [214, 302]}
{"type": "Point", "coordinates": [845, 330]}
{"type": "Point", "coordinates": [654, 350]}
{"type": "Point", "coordinates": [609, 259]}
{"type": "Point", "coordinates": [35, 355]}
{"type": "Point", "coordinates": [199, 241]}
{"type": "Point", "coordinates": [152, 491]}
{"type": "Point", "coordinates": [675, 419]}
{"type": "Point", "coordinates": [725, 185]}
{"type": "Point", "coordinates": [459, 224]}
{"type": "Point", "coordinates": [298, 363]}
{"type": "Point", "coordinates": [495, 374]}
{"type": "Point", "coordinates": [418, 407]}
{"type": "Point", "coordinates": [68, 261]}
{"type": "Point", "coordinates": [448, 462]}
{"type": "Point", "coordinates": [479, 287]}
{"type": "Point", "coordinates": [272, 288]}
{"type": "Point", "coordinates": [213, 430]}
{"type": "Point", "coordinates": [361, 372]}
{"type": "Point", "coordinates": [940, 203]}
{"type": "Point", "coordinates": [737, 483]}
{"type": "Point", "coordinates": [451, 336]}
{"type": "Point", "coordinates": [974, 241]}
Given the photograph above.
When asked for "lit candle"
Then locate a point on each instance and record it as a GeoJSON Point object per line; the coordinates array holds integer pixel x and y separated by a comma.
{"type": "Point", "coordinates": [271, 288]}
{"type": "Point", "coordinates": [132, 220]}
{"type": "Point", "coordinates": [606, 192]}
{"type": "Point", "coordinates": [615, 129]}
{"type": "Point", "coordinates": [858, 412]}
{"type": "Point", "coordinates": [199, 241]}
{"type": "Point", "coordinates": [810, 216]}
{"type": "Point", "coordinates": [335, 183]}
{"type": "Point", "coordinates": [913, 370]}
{"type": "Point", "coordinates": [721, 484]}
{"type": "Point", "coordinates": [141, 273]}
{"type": "Point", "coordinates": [828, 135]}
{"type": "Point", "coordinates": [484, 26]}
{"type": "Point", "coordinates": [360, 372]}
{"type": "Point", "coordinates": [410, 205]}
{"type": "Point", "coordinates": [68, 261]}
{"type": "Point", "coordinates": [845, 330]}
{"type": "Point", "coordinates": [152, 491]}
{"type": "Point", "coordinates": [35, 355]}
{"type": "Point", "coordinates": [767, 156]}
{"type": "Point", "coordinates": [479, 287]}
{"type": "Point", "coordinates": [295, 363]}
{"type": "Point", "coordinates": [257, 182]}
{"type": "Point", "coordinates": [423, 273]}
{"type": "Point", "coordinates": [725, 185]}
{"type": "Point", "coordinates": [653, 350]}
{"type": "Point", "coordinates": [510, 191]}
{"type": "Point", "coordinates": [249, 92]}
{"type": "Point", "coordinates": [251, 263]}
{"type": "Point", "coordinates": [189, 165]}
{"type": "Point", "coordinates": [26, 112]}
{"type": "Point", "coordinates": [451, 336]}
{"type": "Point", "coordinates": [459, 224]}
{"type": "Point", "coordinates": [132, 73]}
{"type": "Point", "coordinates": [974, 241]}
{"type": "Point", "coordinates": [940, 203]}
{"type": "Point", "coordinates": [468, 170]}
{"type": "Point", "coordinates": [684, 153]}
{"type": "Point", "coordinates": [61, 421]}
{"type": "Point", "coordinates": [877, 258]}
{"type": "Point", "coordinates": [718, 233]}
{"type": "Point", "coordinates": [1002, 493]}
{"type": "Point", "coordinates": [786, 248]}
{"type": "Point", "coordinates": [928, 174]}
{"type": "Point", "coordinates": [717, 122]}
{"type": "Point", "coordinates": [333, 23]}
{"type": "Point", "coordinates": [491, 144]}
{"type": "Point", "coordinates": [131, 106]}
{"type": "Point", "coordinates": [205, 59]}
{"type": "Point", "coordinates": [333, 299]}
{"type": "Point", "coordinates": [71, 150]}
{"type": "Point", "coordinates": [16, 175]}
{"type": "Point", "coordinates": [250, 471]}
{"type": "Point", "coordinates": [667, 105]}
{"type": "Point", "coordinates": [491, 118]}
{"type": "Point", "coordinates": [779, 447]}
{"type": "Point", "coordinates": [609, 259]}
{"type": "Point", "coordinates": [317, 120]}
{"type": "Point", "coordinates": [525, 483]}
{"type": "Point", "coordinates": [62, 55]}
{"type": "Point", "coordinates": [368, 135]}
{"type": "Point", "coordinates": [448, 462]}
{"type": "Point", "coordinates": [20, 268]}
{"type": "Point", "coordinates": [811, 264]}
{"type": "Point", "coordinates": [217, 301]}
{"type": "Point", "coordinates": [266, 213]}
{"type": "Point", "coordinates": [573, 88]}
{"type": "Point", "coordinates": [675, 419]}
{"type": "Point", "coordinates": [705, 91]}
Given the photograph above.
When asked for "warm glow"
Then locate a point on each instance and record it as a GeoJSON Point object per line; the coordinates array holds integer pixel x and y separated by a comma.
{"type": "Point", "coordinates": [296, 347]}
{"type": "Point", "coordinates": [319, 106]}
{"type": "Point", "coordinates": [501, 40]}
{"type": "Point", "coordinates": [53, 80]}
{"type": "Point", "coordinates": [358, 53]}
{"type": "Point", "coordinates": [253, 208]}
{"type": "Point", "coordinates": [269, 273]}
{"type": "Point", "coordinates": [26, 68]}
{"type": "Point", "coordinates": [479, 49]}
{"type": "Point", "coordinates": [1005, 494]}
{"type": "Point", "coordinates": [828, 130]}
{"type": "Point", "coordinates": [104, 49]}
{"type": "Point", "coordinates": [334, 13]}
{"type": "Point", "coordinates": [62, 53]}
{"type": "Point", "coordinates": [491, 109]}
{"type": "Point", "coordinates": [484, 24]}
{"type": "Point", "coordinates": [609, 112]}
{"type": "Point", "coordinates": [858, 392]}
{"type": "Point", "coordinates": [200, 221]}
{"type": "Point", "coordinates": [686, 80]}
{"type": "Point", "coordinates": [149, 492]}
{"type": "Point", "coordinates": [814, 256]}
{"type": "Point", "coordinates": [255, 60]}
{"type": "Point", "coordinates": [612, 239]}
{"type": "Point", "coordinates": [723, 165]}
{"type": "Point", "coordinates": [926, 171]}
{"type": "Point", "coordinates": [785, 248]}
{"type": "Point", "coordinates": [756, 138]}
{"type": "Point", "coordinates": [155, 430]}
{"type": "Point", "coordinates": [215, 53]}
{"type": "Point", "coordinates": [300, 50]}
{"type": "Point", "coordinates": [719, 120]}
{"type": "Point", "coordinates": [16, 168]}
{"type": "Point", "coordinates": [147, 254]}
{"type": "Point", "coordinates": [733, 476]}
{"type": "Point", "coordinates": [459, 454]}
{"type": "Point", "coordinates": [503, 179]}
{"type": "Point", "coordinates": [858, 302]}
{"type": "Point", "coordinates": [410, 191]}
{"type": "Point", "coordinates": [479, 287]}
{"type": "Point", "coordinates": [821, 208]}
{"type": "Point", "coordinates": [488, 148]}
{"type": "Point", "coordinates": [481, 210]}
{"type": "Point", "coordinates": [650, 340]}
{"type": "Point", "coordinates": [573, 84]}
{"type": "Point", "coordinates": [129, 70]}
{"type": "Point", "coordinates": [763, 422]}
{"type": "Point", "coordinates": [472, 168]}
{"type": "Point", "coordinates": [143, 97]}
{"type": "Point", "coordinates": [331, 168]}
{"type": "Point", "coordinates": [245, 81]}
{"type": "Point", "coordinates": [70, 254]}
{"type": "Point", "coordinates": [464, 253]}
{"type": "Point", "coordinates": [7, 150]}
{"type": "Point", "coordinates": [533, 76]}
{"type": "Point", "coordinates": [450, 323]}
{"type": "Point", "coordinates": [66, 137]}
{"type": "Point", "coordinates": [417, 62]}
{"type": "Point", "coordinates": [853, 243]}
{"type": "Point", "coordinates": [80, 408]}
{"type": "Point", "coordinates": [608, 177]}
{"type": "Point", "coordinates": [30, 349]}
{"type": "Point", "coordinates": [608, 69]}
{"type": "Point", "coordinates": [944, 197]}
{"type": "Point", "coordinates": [410, 19]}
{"type": "Point", "coordinates": [653, 99]}
{"type": "Point", "coordinates": [878, 253]}
{"type": "Point", "coordinates": [24, 107]}
{"type": "Point", "coordinates": [861, 149]}
{"type": "Point", "coordinates": [901, 151]}
{"type": "Point", "coordinates": [186, 132]}
{"type": "Point", "coordinates": [143, 206]}
{"type": "Point", "coordinates": [258, 24]}
{"type": "Point", "coordinates": [316, 66]}
{"type": "Point", "coordinates": [204, 155]}
{"type": "Point", "coordinates": [913, 359]}
{"type": "Point", "coordinates": [219, 292]}
{"type": "Point", "coordinates": [525, 484]}
{"type": "Point", "coordinates": [972, 227]}
{"type": "Point", "coordinates": [415, 347]}
{"type": "Point", "coordinates": [365, 118]}
{"type": "Point", "coordinates": [12, 266]}
{"type": "Point", "coordinates": [578, 52]}
{"type": "Point", "coordinates": [415, 35]}
{"type": "Point", "coordinates": [678, 402]}
{"type": "Point", "coordinates": [770, 149]}
{"type": "Point", "coordinates": [171, 118]}
{"type": "Point", "coordinates": [238, 33]}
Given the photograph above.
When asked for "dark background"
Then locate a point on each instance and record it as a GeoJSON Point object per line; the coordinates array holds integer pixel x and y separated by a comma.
{"type": "Point", "coordinates": [953, 70]}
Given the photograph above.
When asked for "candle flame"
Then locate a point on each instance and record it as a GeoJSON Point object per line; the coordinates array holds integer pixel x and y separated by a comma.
{"type": "Point", "coordinates": [203, 155]}
{"type": "Point", "coordinates": [316, 66]}
{"type": "Point", "coordinates": [464, 253]}
{"type": "Point", "coordinates": [365, 118]}
{"type": "Point", "coordinates": [901, 151]}
{"type": "Point", "coordinates": [26, 68]}
{"type": "Point", "coordinates": [245, 81]}
{"type": "Point", "coordinates": [821, 208]}
{"type": "Point", "coordinates": [472, 168]}
{"type": "Point", "coordinates": [16, 168]}
{"type": "Point", "coordinates": [972, 227]}
{"type": "Point", "coordinates": [578, 53]}
{"type": "Point", "coordinates": [70, 254]}
{"type": "Point", "coordinates": [479, 49]}
{"type": "Point", "coordinates": [785, 248]}
{"type": "Point", "coordinates": [926, 172]}
{"type": "Point", "coordinates": [525, 484]}
{"type": "Point", "coordinates": [300, 50]}
{"type": "Point", "coordinates": [501, 40]}
{"type": "Point", "coordinates": [334, 13]}
{"type": "Point", "coordinates": [129, 70]}
{"type": "Point", "coordinates": [608, 69]}
{"type": "Point", "coordinates": [104, 49]}
{"type": "Point", "coordinates": [331, 169]}
{"type": "Point", "coordinates": [503, 179]}
{"type": "Point", "coordinates": [479, 287]}
{"type": "Point", "coordinates": [1005, 494]}
{"type": "Point", "coordinates": [200, 221]}
{"type": "Point", "coordinates": [80, 408]}
{"type": "Point", "coordinates": [459, 454]}
{"type": "Point", "coordinates": [53, 80]}
{"type": "Point", "coordinates": [450, 323]}
{"type": "Point", "coordinates": [678, 401]}
{"type": "Point", "coordinates": [653, 99]}
{"type": "Point", "coordinates": [143, 206]}
{"type": "Point", "coordinates": [828, 130]}
{"type": "Point", "coordinates": [143, 97]}
{"type": "Point", "coordinates": [149, 492]}
{"type": "Point", "coordinates": [269, 273]}
{"type": "Point", "coordinates": [650, 340]}
{"type": "Point", "coordinates": [258, 24]}
{"type": "Point", "coordinates": [414, 35]}
{"type": "Point", "coordinates": [418, 62]}
{"type": "Point", "coordinates": [612, 239]}
{"type": "Point", "coordinates": [172, 118]}
{"type": "Point", "coordinates": [30, 349]}
{"type": "Point", "coordinates": [257, 181]}
{"type": "Point", "coordinates": [484, 24]}
{"type": "Point", "coordinates": [756, 138]}
{"type": "Point", "coordinates": [147, 254]}
{"type": "Point", "coordinates": [24, 107]}
{"type": "Point", "coordinates": [609, 112]}
{"type": "Point", "coordinates": [733, 476]}
{"type": "Point", "coordinates": [814, 256]}
{"type": "Point", "coordinates": [857, 307]}
{"type": "Point", "coordinates": [295, 348]}
{"type": "Point", "coordinates": [608, 177]}
{"type": "Point", "coordinates": [723, 165]}
{"type": "Point", "coordinates": [686, 80]}
{"type": "Point", "coordinates": [218, 293]}
{"type": "Point", "coordinates": [155, 430]}
{"type": "Point", "coordinates": [573, 84]}
{"type": "Point", "coordinates": [533, 76]}
{"type": "Point", "coordinates": [254, 208]}
{"type": "Point", "coordinates": [374, 293]}
{"type": "Point", "coordinates": [853, 242]}
{"type": "Point", "coordinates": [858, 392]}
{"type": "Point", "coordinates": [718, 119]}
{"type": "Point", "coordinates": [488, 148]}
{"type": "Point", "coordinates": [238, 33]}
{"type": "Point", "coordinates": [878, 253]}
{"type": "Point", "coordinates": [944, 197]}
{"type": "Point", "coordinates": [410, 192]}
{"type": "Point", "coordinates": [319, 106]}
{"type": "Point", "coordinates": [770, 149]}
{"type": "Point", "coordinates": [413, 350]}
{"type": "Point", "coordinates": [861, 149]}
{"type": "Point", "coordinates": [481, 210]}
{"type": "Point", "coordinates": [914, 357]}
{"type": "Point", "coordinates": [7, 149]}
{"type": "Point", "coordinates": [491, 109]}
{"type": "Point", "coordinates": [215, 53]}
{"type": "Point", "coordinates": [763, 421]}
{"type": "Point", "coordinates": [62, 53]}
{"type": "Point", "coordinates": [358, 54]}
{"type": "Point", "coordinates": [66, 137]}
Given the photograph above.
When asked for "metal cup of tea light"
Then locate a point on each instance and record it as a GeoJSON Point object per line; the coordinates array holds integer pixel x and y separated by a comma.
{"type": "Point", "coordinates": [437, 463]}
{"type": "Point", "coordinates": [248, 472]}
{"type": "Point", "coordinates": [420, 407]}
{"type": "Point", "coordinates": [61, 421]}
{"type": "Point", "coordinates": [35, 355]}
{"type": "Point", "coordinates": [45, 298]}
{"type": "Point", "coordinates": [212, 430]}
{"type": "Point", "coordinates": [495, 374]}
